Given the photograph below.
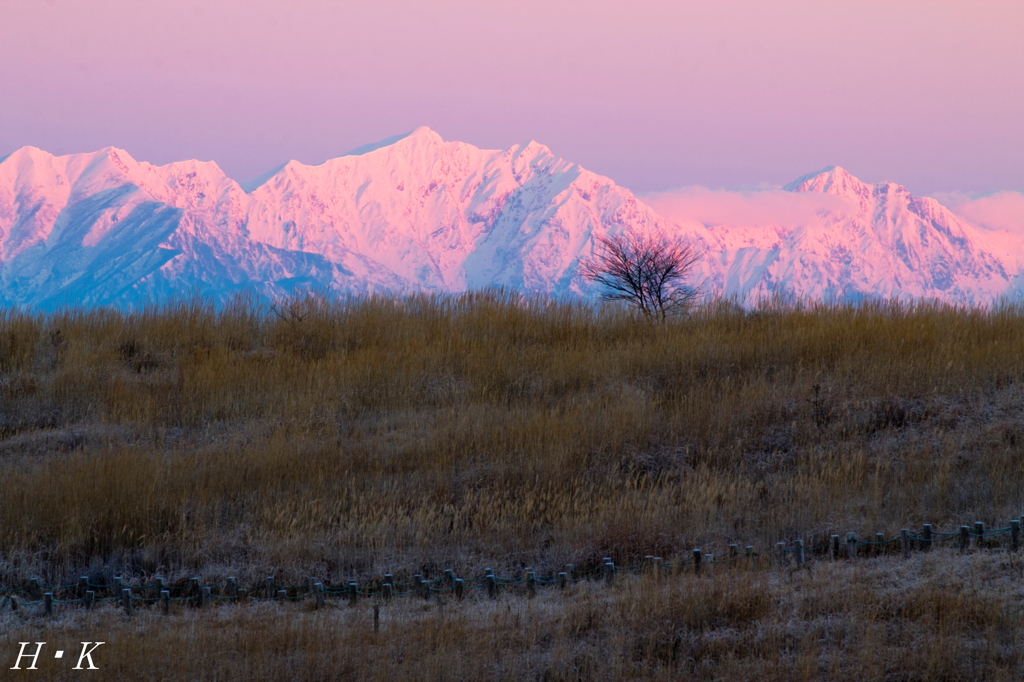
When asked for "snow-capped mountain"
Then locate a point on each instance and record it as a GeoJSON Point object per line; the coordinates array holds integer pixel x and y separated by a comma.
{"type": "Point", "coordinates": [418, 213]}
{"type": "Point", "coordinates": [881, 243]}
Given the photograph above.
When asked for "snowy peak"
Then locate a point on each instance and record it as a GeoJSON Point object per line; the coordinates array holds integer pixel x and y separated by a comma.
{"type": "Point", "coordinates": [831, 180]}
{"type": "Point", "coordinates": [415, 212]}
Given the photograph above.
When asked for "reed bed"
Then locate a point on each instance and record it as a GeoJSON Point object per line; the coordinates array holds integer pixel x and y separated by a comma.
{"type": "Point", "coordinates": [349, 438]}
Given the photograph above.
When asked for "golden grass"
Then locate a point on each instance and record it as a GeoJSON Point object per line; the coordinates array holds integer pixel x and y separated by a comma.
{"type": "Point", "coordinates": [346, 439]}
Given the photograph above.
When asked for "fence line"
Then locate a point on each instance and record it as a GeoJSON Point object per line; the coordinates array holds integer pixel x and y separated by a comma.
{"type": "Point", "coordinates": [193, 593]}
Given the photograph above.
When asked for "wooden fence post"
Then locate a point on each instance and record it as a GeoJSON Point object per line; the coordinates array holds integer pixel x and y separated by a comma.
{"type": "Point", "coordinates": [48, 603]}
{"type": "Point", "coordinates": [531, 582]}
{"type": "Point", "coordinates": [780, 548]}
{"type": "Point", "coordinates": [318, 594]}
{"type": "Point", "coordinates": [90, 597]}
{"type": "Point", "coordinates": [205, 598]}
{"type": "Point", "coordinates": [387, 591]}
{"type": "Point", "coordinates": [851, 546]}
{"type": "Point", "coordinates": [835, 547]}
{"type": "Point", "coordinates": [282, 595]}
{"type": "Point", "coordinates": [268, 585]}
{"type": "Point", "coordinates": [570, 570]}
{"type": "Point", "coordinates": [353, 591]}
{"type": "Point", "coordinates": [492, 586]}
{"type": "Point", "coordinates": [879, 539]}
{"type": "Point", "coordinates": [460, 587]}
{"type": "Point", "coordinates": [1015, 534]}
{"type": "Point", "coordinates": [926, 536]}
{"type": "Point", "coordinates": [563, 580]}
{"type": "Point", "coordinates": [905, 542]}
{"type": "Point", "coordinates": [449, 575]}
{"type": "Point", "coordinates": [751, 558]}
{"type": "Point", "coordinates": [964, 538]}
{"type": "Point", "coordinates": [734, 554]}
{"type": "Point", "coordinates": [35, 592]}
{"type": "Point", "coordinates": [658, 564]}
{"type": "Point", "coordinates": [609, 572]}
{"type": "Point", "coordinates": [243, 594]}
{"type": "Point", "coordinates": [83, 586]}
{"type": "Point", "coordinates": [698, 559]}
{"type": "Point", "coordinates": [979, 533]}
{"type": "Point", "coordinates": [14, 604]}
{"type": "Point", "coordinates": [800, 552]}
{"type": "Point", "coordinates": [165, 601]}
{"type": "Point", "coordinates": [126, 599]}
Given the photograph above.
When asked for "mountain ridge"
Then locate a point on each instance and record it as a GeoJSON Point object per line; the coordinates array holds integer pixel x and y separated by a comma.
{"type": "Point", "coordinates": [418, 213]}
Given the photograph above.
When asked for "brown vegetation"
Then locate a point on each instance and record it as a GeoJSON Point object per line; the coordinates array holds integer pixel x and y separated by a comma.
{"type": "Point", "coordinates": [349, 439]}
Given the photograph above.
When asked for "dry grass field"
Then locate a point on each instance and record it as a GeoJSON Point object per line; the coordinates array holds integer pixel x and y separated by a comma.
{"type": "Point", "coordinates": [352, 438]}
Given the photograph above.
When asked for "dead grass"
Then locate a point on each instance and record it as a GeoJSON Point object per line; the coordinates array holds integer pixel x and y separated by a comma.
{"type": "Point", "coordinates": [936, 616]}
{"type": "Point", "coordinates": [347, 439]}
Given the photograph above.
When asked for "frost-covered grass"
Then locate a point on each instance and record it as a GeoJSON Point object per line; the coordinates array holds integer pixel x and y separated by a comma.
{"type": "Point", "coordinates": [348, 439]}
{"type": "Point", "coordinates": [937, 616]}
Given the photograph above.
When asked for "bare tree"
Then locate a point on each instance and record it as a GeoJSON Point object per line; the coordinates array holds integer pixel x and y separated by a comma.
{"type": "Point", "coordinates": [648, 271]}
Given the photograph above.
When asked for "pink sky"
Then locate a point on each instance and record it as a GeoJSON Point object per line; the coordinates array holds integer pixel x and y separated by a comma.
{"type": "Point", "coordinates": [653, 94]}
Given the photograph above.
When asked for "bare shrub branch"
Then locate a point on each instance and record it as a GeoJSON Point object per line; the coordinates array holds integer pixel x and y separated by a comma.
{"type": "Point", "coordinates": [651, 272]}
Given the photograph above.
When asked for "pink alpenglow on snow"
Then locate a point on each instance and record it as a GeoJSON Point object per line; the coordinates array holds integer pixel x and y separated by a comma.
{"type": "Point", "coordinates": [418, 213]}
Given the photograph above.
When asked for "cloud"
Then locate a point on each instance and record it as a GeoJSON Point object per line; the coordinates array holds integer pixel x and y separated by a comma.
{"type": "Point", "coordinates": [999, 211]}
{"type": "Point", "coordinates": [744, 207]}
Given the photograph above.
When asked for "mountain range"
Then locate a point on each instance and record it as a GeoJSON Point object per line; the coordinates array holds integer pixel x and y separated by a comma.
{"type": "Point", "coordinates": [418, 213]}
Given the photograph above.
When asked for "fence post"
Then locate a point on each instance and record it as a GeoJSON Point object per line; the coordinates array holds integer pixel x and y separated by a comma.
{"type": "Point", "coordinates": [609, 572]}
{"type": "Point", "coordinates": [698, 557]}
{"type": "Point", "coordinates": [658, 563]}
{"type": "Point", "coordinates": [353, 591]}
{"type": "Point", "coordinates": [89, 597]}
{"type": "Point", "coordinates": [165, 601]}
{"type": "Point", "coordinates": [879, 539]}
{"type": "Point", "coordinates": [979, 532]}
{"type": "Point", "coordinates": [34, 590]}
{"type": "Point", "coordinates": [492, 586]}
{"type": "Point", "coordinates": [460, 586]}
{"type": "Point", "coordinates": [851, 545]}
{"type": "Point", "coordinates": [926, 536]}
{"type": "Point", "coordinates": [160, 585]}
{"type": "Point", "coordinates": [570, 570]}
{"type": "Point", "coordinates": [388, 578]}
{"type": "Point", "coordinates": [1015, 534]}
{"type": "Point", "coordinates": [83, 586]}
{"type": "Point", "coordinates": [449, 575]}
{"type": "Point", "coordinates": [204, 598]}
{"type": "Point", "coordinates": [243, 594]}
{"type": "Point", "coordinates": [531, 584]}
{"type": "Point", "coordinates": [14, 604]}
{"type": "Point", "coordinates": [751, 559]}
{"type": "Point", "coordinates": [268, 585]}
{"type": "Point", "coordinates": [734, 553]}
{"type": "Point", "coordinates": [964, 538]}
{"type": "Point", "coordinates": [388, 589]}
{"type": "Point", "coordinates": [905, 542]}
{"type": "Point", "coordinates": [835, 547]}
{"type": "Point", "coordinates": [48, 603]}
{"type": "Point", "coordinates": [318, 594]}
{"type": "Point", "coordinates": [126, 599]}
{"type": "Point", "coordinates": [800, 552]}
{"type": "Point", "coordinates": [781, 548]}
{"type": "Point", "coordinates": [563, 580]}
